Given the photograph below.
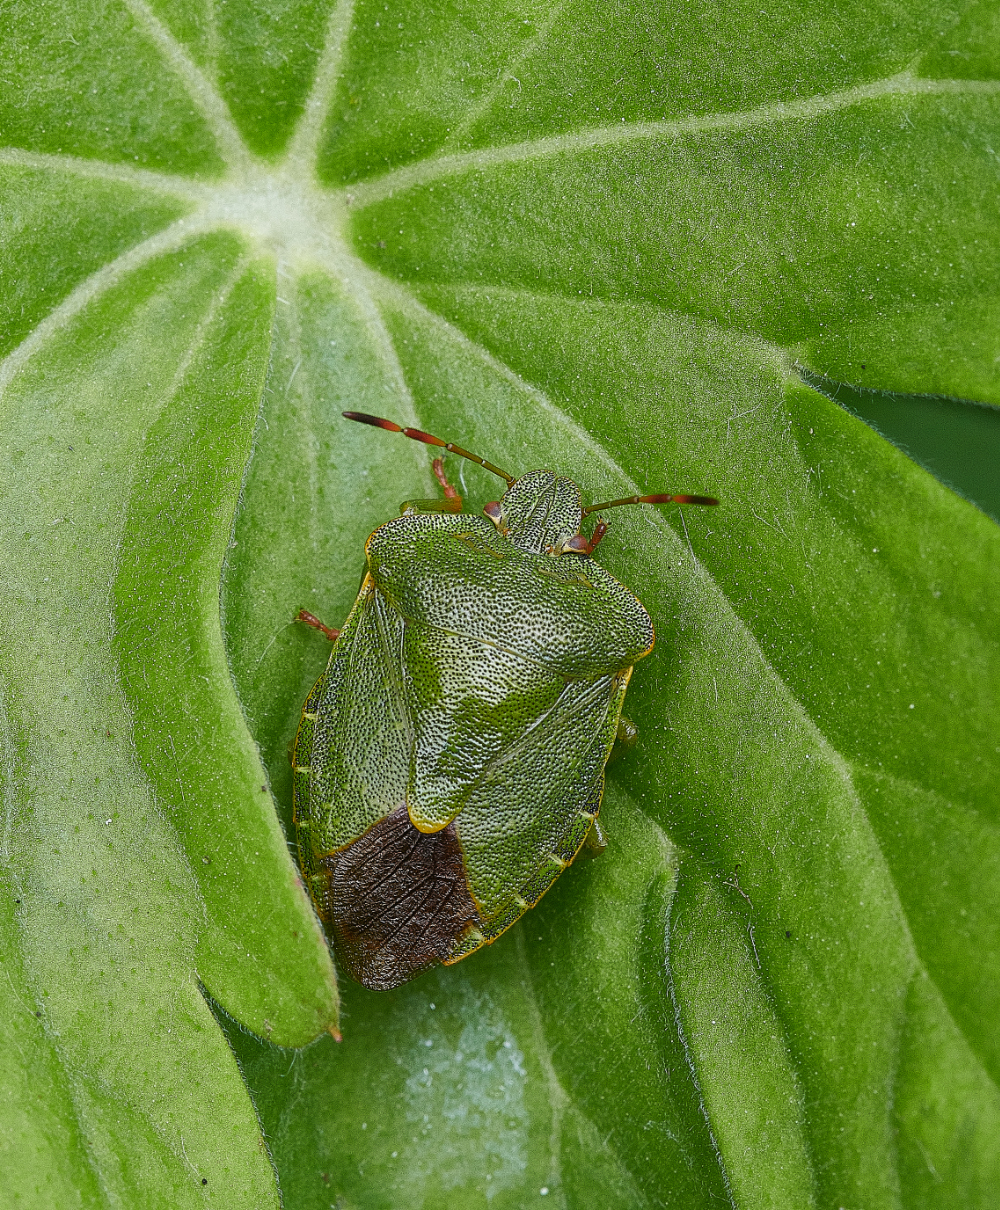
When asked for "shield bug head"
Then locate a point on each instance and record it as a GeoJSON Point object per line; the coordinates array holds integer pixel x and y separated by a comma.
{"type": "Point", "coordinates": [539, 512]}
{"type": "Point", "coordinates": [450, 760]}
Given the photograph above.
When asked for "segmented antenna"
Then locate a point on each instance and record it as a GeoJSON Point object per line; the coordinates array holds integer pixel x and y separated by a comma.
{"type": "Point", "coordinates": [427, 439]}
{"type": "Point", "coordinates": [596, 508]}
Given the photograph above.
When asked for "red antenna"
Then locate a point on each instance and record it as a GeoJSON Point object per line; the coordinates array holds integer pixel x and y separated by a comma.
{"type": "Point", "coordinates": [596, 508]}
{"type": "Point", "coordinates": [586, 546]}
{"type": "Point", "coordinates": [427, 439]}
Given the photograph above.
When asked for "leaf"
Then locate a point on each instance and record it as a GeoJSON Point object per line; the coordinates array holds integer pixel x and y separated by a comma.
{"type": "Point", "coordinates": [137, 1091]}
{"type": "Point", "coordinates": [621, 243]}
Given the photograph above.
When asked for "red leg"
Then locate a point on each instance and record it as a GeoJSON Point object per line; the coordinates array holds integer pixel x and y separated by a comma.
{"type": "Point", "coordinates": [583, 545]}
{"type": "Point", "coordinates": [310, 619]}
{"type": "Point", "coordinates": [600, 529]}
{"type": "Point", "coordinates": [452, 502]}
{"type": "Point", "coordinates": [450, 493]}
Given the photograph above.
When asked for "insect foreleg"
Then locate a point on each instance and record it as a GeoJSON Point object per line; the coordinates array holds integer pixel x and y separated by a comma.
{"type": "Point", "coordinates": [596, 841]}
{"type": "Point", "coordinates": [450, 493]}
{"type": "Point", "coordinates": [452, 502]}
{"type": "Point", "coordinates": [310, 619]}
{"type": "Point", "coordinates": [627, 733]}
{"type": "Point", "coordinates": [625, 738]}
{"type": "Point", "coordinates": [582, 545]}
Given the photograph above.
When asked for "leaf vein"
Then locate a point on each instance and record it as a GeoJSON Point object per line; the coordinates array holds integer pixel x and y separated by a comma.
{"type": "Point", "coordinates": [442, 167]}
{"type": "Point", "coordinates": [168, 240]}
{"type": "Point", "coordinates": [300, 161]}
{"type": "Point", "coordinates": [202, 92]}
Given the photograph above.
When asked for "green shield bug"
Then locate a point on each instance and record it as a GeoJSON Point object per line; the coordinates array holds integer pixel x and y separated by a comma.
{"type": "Point", "coordinates": [449, 763]}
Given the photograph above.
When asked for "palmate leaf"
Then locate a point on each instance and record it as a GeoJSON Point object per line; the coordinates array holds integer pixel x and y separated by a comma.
{"type": "Point", "coordinates": [619, 242]}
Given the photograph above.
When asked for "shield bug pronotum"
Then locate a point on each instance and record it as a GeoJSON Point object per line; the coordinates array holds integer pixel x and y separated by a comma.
{"type": "Point", "coordinates": [449, 764]}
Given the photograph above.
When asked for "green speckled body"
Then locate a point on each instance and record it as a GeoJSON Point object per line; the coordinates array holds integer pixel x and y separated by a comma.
{"type": "Point", "coordinates": [478, 681]}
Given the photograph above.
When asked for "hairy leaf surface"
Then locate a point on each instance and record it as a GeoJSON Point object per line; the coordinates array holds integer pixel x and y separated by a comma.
{"type": "Point", "coordinates": [642, 246]}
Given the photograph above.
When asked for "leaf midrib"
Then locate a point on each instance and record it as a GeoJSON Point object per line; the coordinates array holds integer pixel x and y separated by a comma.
{"type": "Point", "coordinates": [300, 161]}
{"type": "Point", "coordinates": [215, 204]}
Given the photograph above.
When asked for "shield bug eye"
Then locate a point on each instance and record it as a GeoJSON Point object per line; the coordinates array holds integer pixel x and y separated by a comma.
{"type": "Point", "coordinates": [463, 697]}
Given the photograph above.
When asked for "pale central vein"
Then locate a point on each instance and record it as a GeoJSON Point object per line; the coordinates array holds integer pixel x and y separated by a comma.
{"type": "Point", "coordinates": [202, 92]}
{"type": "Point", "coordinates": [304, 146]}
{"type": "Point", "coordinates": [299, 164]}
{"type": "Point", "coordinates": [441, 167]}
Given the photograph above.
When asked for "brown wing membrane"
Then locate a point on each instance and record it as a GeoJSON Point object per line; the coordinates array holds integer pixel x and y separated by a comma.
{"type": "Point", "coordinates": [398, 899]}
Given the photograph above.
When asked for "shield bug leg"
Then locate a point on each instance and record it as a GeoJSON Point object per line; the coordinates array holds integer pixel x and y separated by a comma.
{"type": "Point", "coordinates": [450, 493]}
{"type": "Point", "coordinates": [410, 508]}
{"type": "Point", "coordinates": [582, 545]}
{"type": "Point", "coordinates": [452, 502]}
{"type": "Point", "coordinates": [596, 841]}
{"type": "Point", "coordinates": [600, 529]}
{"type": "Point", "coordinates": [310, 619]}
{"type": "Point", "coordinates": [625, 738]}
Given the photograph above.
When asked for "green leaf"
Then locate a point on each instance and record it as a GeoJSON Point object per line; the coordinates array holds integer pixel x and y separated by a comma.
{"type": "Point", "coordinates": [624, 243]}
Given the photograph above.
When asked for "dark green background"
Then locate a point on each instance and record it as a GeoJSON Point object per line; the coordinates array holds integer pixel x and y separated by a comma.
{"type": "Point", "coordinates": [957, 440]}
